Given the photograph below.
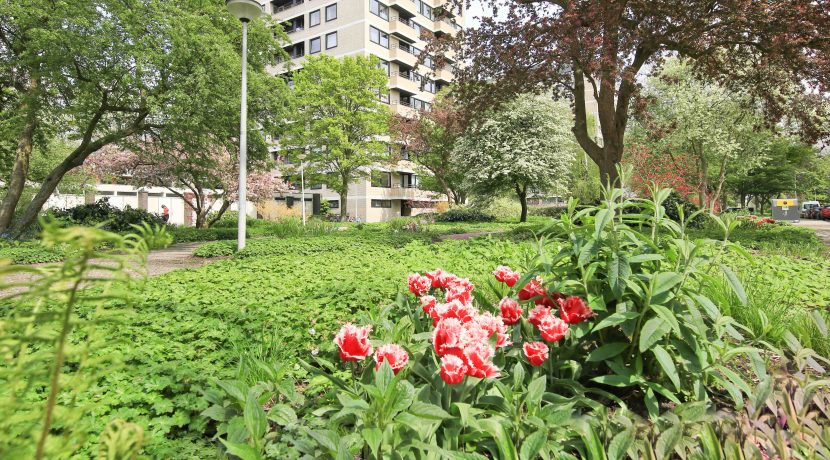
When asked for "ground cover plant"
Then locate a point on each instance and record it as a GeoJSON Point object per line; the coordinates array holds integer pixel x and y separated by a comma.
{"type": "Point", "coordinates": [204, 347]}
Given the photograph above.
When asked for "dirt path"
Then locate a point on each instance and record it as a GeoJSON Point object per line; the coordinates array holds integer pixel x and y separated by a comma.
{"type": "Point", "coordinates": [822, 228]}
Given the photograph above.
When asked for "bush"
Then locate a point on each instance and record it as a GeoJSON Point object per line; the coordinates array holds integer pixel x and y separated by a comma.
{"type": "Point", "coordinates": [461, 214]}
{"type": "Point", "coordinates": [117, 220]}
{"type": "Point", "coordinates": [546, 211]}
{"type": "Point", "coordinates": [182, 234]}
{"type": "Point", "coordinates": [674, 201]}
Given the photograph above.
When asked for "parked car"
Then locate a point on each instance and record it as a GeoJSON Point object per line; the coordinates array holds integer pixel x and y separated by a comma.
{"type": "Point", "coordinates": [807, 206]}
{"type": "Point", "coordinates": [824, 214]}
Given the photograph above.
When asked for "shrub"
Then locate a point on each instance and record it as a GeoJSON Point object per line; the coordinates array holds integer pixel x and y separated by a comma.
{"type": "Point", "coordinates": [182, 234]}
{"type": "Point", "coordinates": [114, 219]}
{"type": "Point", "coordinates": [546, 211]}
{"type": "Point", "coordinates": [675, 201]}
{"type": "Point", "coordinates": [461, 214]}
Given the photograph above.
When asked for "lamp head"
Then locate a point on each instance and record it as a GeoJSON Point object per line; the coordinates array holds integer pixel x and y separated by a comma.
{"type": "Point", "coordinates": [244, 10]}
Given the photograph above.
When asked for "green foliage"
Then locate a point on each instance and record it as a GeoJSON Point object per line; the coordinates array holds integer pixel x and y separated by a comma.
{"type": "Point", "coordinates": [120, 440]}
{"type": "Point", "coordinates": [547, 211]}
{"type": "Point", "coordinates": [182, 234]}
{"type": "Point", "coordinates": [672, 205]}
{"type": "Point", "coordinates": [52, 338]}
{"type": "Point", "coordinates": [336, 119]}
{"type": "Point", "coordinates": [102, 212]}
{"type": "Point", "coordinates": [215, 249]}
{"type": "Point", "coordinates": [463, 214]}
{"type": "Point", "coordinates": [30, 252]}
{"type": "Point", "coordinates": [156, 236]}
{"type": "Point", "coordinates": [776, 239]}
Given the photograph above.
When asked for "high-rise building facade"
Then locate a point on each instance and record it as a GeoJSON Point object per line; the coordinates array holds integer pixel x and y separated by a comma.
{"type": "Point", "coordinates": [394, 31]}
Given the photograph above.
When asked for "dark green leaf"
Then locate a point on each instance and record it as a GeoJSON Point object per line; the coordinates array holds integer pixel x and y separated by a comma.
{"type": "Point", "coordinates": [609, 350]}
{"type": "Point", "coordinates": [653, 330]}
{"type": "Point", "coordinates": [254, 417]}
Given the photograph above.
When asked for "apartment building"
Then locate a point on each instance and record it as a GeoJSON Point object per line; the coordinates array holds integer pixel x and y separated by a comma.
{"type": "Point", "coordinates": [394, 32]}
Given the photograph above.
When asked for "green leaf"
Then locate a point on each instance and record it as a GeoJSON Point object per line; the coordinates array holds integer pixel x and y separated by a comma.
{"type": "Point", "coordinates": [282, 414]}
{"type": "Point", "coordinates": [532, 445]}
{"type": "Point", "coordinates": [652, 406]}
{"type": "Point", "coordinates": [620, 444]}
{"type": "Point", "coordinates": [588, 250]}
{"type": "Point", "coordinates": [615, 319]}
{"type": "Point", "coordinates": [254, 418]}
{"type": "Point", "coordinates": [618, 270]}
{"type": "Point", "coordinates": [640, 258]}
{"type": "Point", "coordinates": [535, 391]}
{"type": "Point", "coordinates": [243, 451]}
{"type": "Point", "coordinates": [373, 437]}
{"type": "Point", "coordinates": [668, 316]}
{"type": "Point", "coordinates": [667, 441]}
{"type": "Point", "coordinates": [593, 445]}
{"type": "Point", "coordinates": [667, 363]}
{"type": "Point", "coordinates": [665, 281]}
{"type": "Point", "coordinates": [234, 388]}
{"type": "Point", "coordinates": [735, 283]}
{"type": "Point", "coordinates": [428, 411]}
{"type": "Point", "coordinates": [327, 439]}
{"type": "Point", "coordinates": [617, 380]}
{"type": "Point", "coordinates": [602, 218]}
{"type": "Point", "coordinates": [504, 443]}
{"type": "Point", "coordinates": [653, 330]}
{"type": "Point", "coordinates": [818, 319]}
{"type": "Point", "coordinates": [609, 350]}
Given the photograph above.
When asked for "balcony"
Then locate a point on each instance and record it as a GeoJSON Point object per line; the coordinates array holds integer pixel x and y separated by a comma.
{"type": "Point", "coordinates": [445, 27]}
{"type": "Point", "coordinates": [444, 74]}
{"type": "Point", "coordinates": [278, 6]}
{"type": "Point", "coordinates": [403, 109]}
{"type": "Point", "coordinates": [402, 28]}
{"type": "Point", "coordinates": [403, 54]}
{"type": "Point", "coordinates": [406, 81]}
{"type": "Point", "coordinates": [408, 7]}
{"type": "Point", "coordinates": [399, 192]}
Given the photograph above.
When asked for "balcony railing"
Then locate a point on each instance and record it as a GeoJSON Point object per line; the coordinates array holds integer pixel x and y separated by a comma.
{"type": "Point", "coordinates": [411, 76]}
{"type": "Point", "coordinates": [291, 4]}
{"type": "Point", "coordinates": [294, 29]}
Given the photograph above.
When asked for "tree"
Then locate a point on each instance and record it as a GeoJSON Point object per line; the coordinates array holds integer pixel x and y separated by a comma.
{"type": "Point", "coordinates": [665, 169]}
{"type": "Point", "coordinates": [98, 73]}
{"type": "Point", "coordinates": [713, 128]}
{"type": "Point", "coordinates": [778, 173]}
{"type": "Point", "coordinates": [524, 146]}
{"type": "Point", "coordinates": [211, 175]}
{"type": "Point", "coordinates": [430, 138]}
{"type": "Point", "coordinates": [337, 119]}
{"type": "Point", "coordinates": [772, 49]}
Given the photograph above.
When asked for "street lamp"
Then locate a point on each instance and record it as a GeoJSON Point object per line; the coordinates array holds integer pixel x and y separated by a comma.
{"type": "Point", "coordinates": [302, 183]}
{"type": "Point", "coordinates": [245, 11]}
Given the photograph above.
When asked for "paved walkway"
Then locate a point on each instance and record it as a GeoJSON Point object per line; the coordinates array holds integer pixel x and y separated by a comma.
{"type": "Point", "coordinates": [822, 228]}
{"type": "Point", "coordinates": [159, 262]}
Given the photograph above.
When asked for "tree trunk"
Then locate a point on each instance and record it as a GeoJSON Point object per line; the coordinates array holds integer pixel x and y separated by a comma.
{"type": "Point", "coordinates": [521, 192]}
{"type": "Point", "coordinates": [703, 174]}
{"type": "Point", "coordinates": [721, 180]}
{"type": "Point", "coordinates": [608, 171]}
{"type": "Point", "coordinates": [225, 205]}
{"type": "Point", "coordinates": [344, 199]}
{"type": "Point", "coordinates": [74, 160]}
{"type": "Point", "coordinates": [20, 169]}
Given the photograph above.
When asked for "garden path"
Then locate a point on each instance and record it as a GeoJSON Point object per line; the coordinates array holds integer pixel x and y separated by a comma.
{"type": "Point", "coordinates": [822, 228]}
{"type": "Point", "coordinates": [159, 261]}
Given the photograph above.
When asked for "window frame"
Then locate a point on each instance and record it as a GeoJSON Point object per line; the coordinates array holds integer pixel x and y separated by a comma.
{"type": "Point", "coordinates": [379, 204]}
{"type": "Point", "coordinates": [382, 9]}
{"type": "Point", "coordinates": [330, 34]}
{"type": "Point", "coordinates": [327, 12]}
{"type": "Point", "coordinates": [380, 37]}
{"type": "Point", "coordinates": [319, 18]}
{"type": "Point", "coordinates": [381, 179]}
{"type": "Point", "coordinates": [311, 46]}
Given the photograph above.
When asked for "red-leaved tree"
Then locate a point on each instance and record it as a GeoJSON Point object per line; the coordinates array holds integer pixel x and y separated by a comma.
{"type": "Point", "coordinates": [661, 168]}
{"type": "Point", "coordinates": [210, 176]}
{"type": "Point", "coordinates": [777, 50]}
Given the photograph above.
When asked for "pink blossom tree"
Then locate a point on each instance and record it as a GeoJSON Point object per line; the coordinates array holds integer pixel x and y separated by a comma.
{"type": "Point", "coordinates": [211, 175]}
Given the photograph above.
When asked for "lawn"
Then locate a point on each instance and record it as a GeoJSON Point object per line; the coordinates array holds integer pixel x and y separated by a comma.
{"type": "Point", "coordinates": [282, 298]}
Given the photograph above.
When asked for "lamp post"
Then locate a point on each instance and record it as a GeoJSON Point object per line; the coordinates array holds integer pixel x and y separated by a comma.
{"type": "Point", "coordinates": [245, 11]}
{"type": "Point", "coordinates": [302, 183]}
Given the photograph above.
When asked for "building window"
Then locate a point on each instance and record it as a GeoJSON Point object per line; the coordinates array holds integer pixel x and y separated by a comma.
{"type": "Point", "coordinates": [384, 96]}
{"type": "Point", "coordinates": [314, 18]}
{"type": "Point", "coordinates": [381, 203]}
{"type": "Point", "coordinates": [376, 36]}
{"type": "Point", "coordinates": [426, 10]}
{"type": "Point", "coordinates": [385, 66]}
{"type": "Point", "coordinates": [331, 12]}
{"type": "Point", "coordinates": [429, 85]}
{"type": "Point", "coordinates": [331, 41]}
{"type": "Point", "coordinates": [379, 9]}
{"type": "Point", "coordinates": [381, 179]}
{"type": "Point", "coordinates": [314, 45]}
{"type": "Point", "coordinates": [334, 204]}
{"type": "Point", "coordinates": [317, 186]}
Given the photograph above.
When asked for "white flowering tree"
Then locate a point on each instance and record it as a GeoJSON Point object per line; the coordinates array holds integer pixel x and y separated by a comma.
{"type": "Point", "coordinates": [526, 145]}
